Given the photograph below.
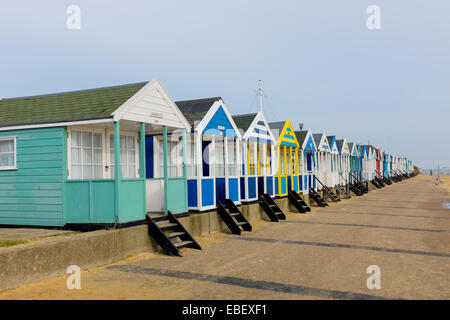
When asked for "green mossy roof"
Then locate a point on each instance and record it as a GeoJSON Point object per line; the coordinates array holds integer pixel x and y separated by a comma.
{"type": "Point", "coordinates": [195, 110]}
{"type": "Point", "coordinates": [68, 106]}
{"type": "Point", "coordinates": [244, 121]}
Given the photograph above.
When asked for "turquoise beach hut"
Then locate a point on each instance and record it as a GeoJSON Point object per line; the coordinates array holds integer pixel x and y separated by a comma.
{"type": "Point", "coordinates": [79, 157]}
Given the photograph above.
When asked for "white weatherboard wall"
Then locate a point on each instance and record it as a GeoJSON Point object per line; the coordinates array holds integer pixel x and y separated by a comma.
{"type": "Point", "coordinates": [345, 161]}
{"type": "Point", "coordinates": [336, 163]}
{"type": "Point", "coordinates": [324, 158]}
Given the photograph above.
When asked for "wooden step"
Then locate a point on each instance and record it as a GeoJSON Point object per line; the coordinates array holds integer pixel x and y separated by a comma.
{"type": "Point", "coordinates": [183, 243]}
{"type": "Point", "coordinates": [175, 234]}
{"type": "Point", "coordinates": [297, 201]}
{"type": "Point", "coordinates": [269, 206]}
{"type": "Point", "coordinates": [317, 198]}
{"type": "Point", "coordinates": [232, 216]}
{"type": "Point", "coordinates": [166, 225]}
{"type": "Point", "coordinates": [156, 230]}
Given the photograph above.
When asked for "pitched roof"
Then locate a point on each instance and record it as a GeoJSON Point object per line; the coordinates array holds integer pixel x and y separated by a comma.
{"type": "Point", "coordinates": [277, 125]}
{"type": "Point", "coordinates": [195, 110]}
{"type": "Point", "coordinates": [301, 136]}
{"type": "Point", "coordinates": [80, 105]}
{"type": "Point", "coordinates": [243, 121]}
{"type": "Point", "coordinates": [330, 138]}
{"type": "Point", "coordinates": [350, 146]}
{"type": "Point", "coordinates": [340, 144]}
{"type": "Point", "coordinates": [371, 147]}
{"type": "Point", "coordinates": [317, 137]}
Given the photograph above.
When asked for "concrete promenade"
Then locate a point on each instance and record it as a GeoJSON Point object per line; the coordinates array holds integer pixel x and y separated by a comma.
{"type": "Point", "coordinates": [404, 229]}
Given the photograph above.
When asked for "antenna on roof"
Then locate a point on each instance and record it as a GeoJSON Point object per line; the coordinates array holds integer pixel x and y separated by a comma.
{"type": "Point", "coordinates": [300, 125]}
{"type": "Point", "coordinates": [260, 93]}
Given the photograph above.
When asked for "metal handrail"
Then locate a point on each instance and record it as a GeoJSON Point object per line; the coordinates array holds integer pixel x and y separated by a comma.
{"type": "Point", "coordinates": [359, 181]}
{"type": "Point", "coordinates": [319, 181]}
{"type": "Point", "coordinates": [379, 173]}
{"type": "Point", "coordinates": [340, 173]}
{"type": "Point", "coordinates": [347, 187]}
{"type": "Point", "coordinates": [323, 186]}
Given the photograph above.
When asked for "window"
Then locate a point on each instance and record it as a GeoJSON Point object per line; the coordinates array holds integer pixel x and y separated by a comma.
{"type": "Point", "coordinates": [294, 160]}
{"type": "Point", "coordinates": [86, 155]}
{"type": "Point", "coordinates": [319, 160]}
{"type": "Point", "coordinates": [174, 169]}
{"type": "Point", "coordinates": [220, 159]}
{"type": "Point", "coordinates": [7, 153]}
{"type": "Point", "coordinates": [251, 159]}
{"type": "Point", "coordinates": [232, 159]}
{"type": "Point", "coordinates": [281, 160]}
{"type": "Point", "coordinates": [288, 160]}
{"type": "Point", "coordinates": [269, 160]}
{"type": "Point", "coordinates": [302, 161]}
{"type": "Point", "coordinates": [191, 167]}
{"type": "Point", "coordinates": [127, 156]}
{"type": "Point", "coordinates": [262, 159]}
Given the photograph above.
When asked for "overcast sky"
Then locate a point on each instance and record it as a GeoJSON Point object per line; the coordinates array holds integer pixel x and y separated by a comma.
{"type": "Point", "coordinates": [319, 62]}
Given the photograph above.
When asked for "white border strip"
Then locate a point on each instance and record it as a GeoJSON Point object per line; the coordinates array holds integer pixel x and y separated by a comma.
{"type": "Point", "coordinates": [57, 124]}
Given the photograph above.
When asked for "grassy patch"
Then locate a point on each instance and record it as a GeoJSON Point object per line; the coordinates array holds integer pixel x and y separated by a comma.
{"type": "Point", "coordinates": [10, 243]}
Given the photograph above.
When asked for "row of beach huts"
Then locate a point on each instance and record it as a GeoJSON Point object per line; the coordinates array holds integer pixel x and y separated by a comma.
{"type": "Point", "coordinates": [112, 155]}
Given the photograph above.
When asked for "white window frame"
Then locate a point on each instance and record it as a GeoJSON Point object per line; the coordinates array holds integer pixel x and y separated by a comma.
{"type": "Point", "coordinates": [252, 154]}
{"type": "Point", "coordinates": [281, 160]}
{"type": "Point", "coordinates": [301, 168]}
{"type": "Point", "coordinates": [273, 160]}
{"type": "Point", "coordinates": [294, 161]}
{"type": "Point", "coordinates": [192, 160]}
{"type": "Point", "coordinates": [69, 149]}
{"type": "Point", "coordinates": [220, 166]}
{"type": "Point", "coordinates": [157, 146]}
{"type": "Point", "coordinates": [106, 158]}
{"type": "Point", "coordinates": [231, 169]}
{"type": "Point", "coordinates": [108, 154]}
{"type": "Point", "coordinates": [266, 162]}
{"type": "Point", "coordinates": [262, 159]}
{"type": "Point", "coordinates": [14, 139]}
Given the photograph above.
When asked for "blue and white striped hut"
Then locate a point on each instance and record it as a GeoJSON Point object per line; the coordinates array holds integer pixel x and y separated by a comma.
{"type": "Point", "coordinates": [258, 156]}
